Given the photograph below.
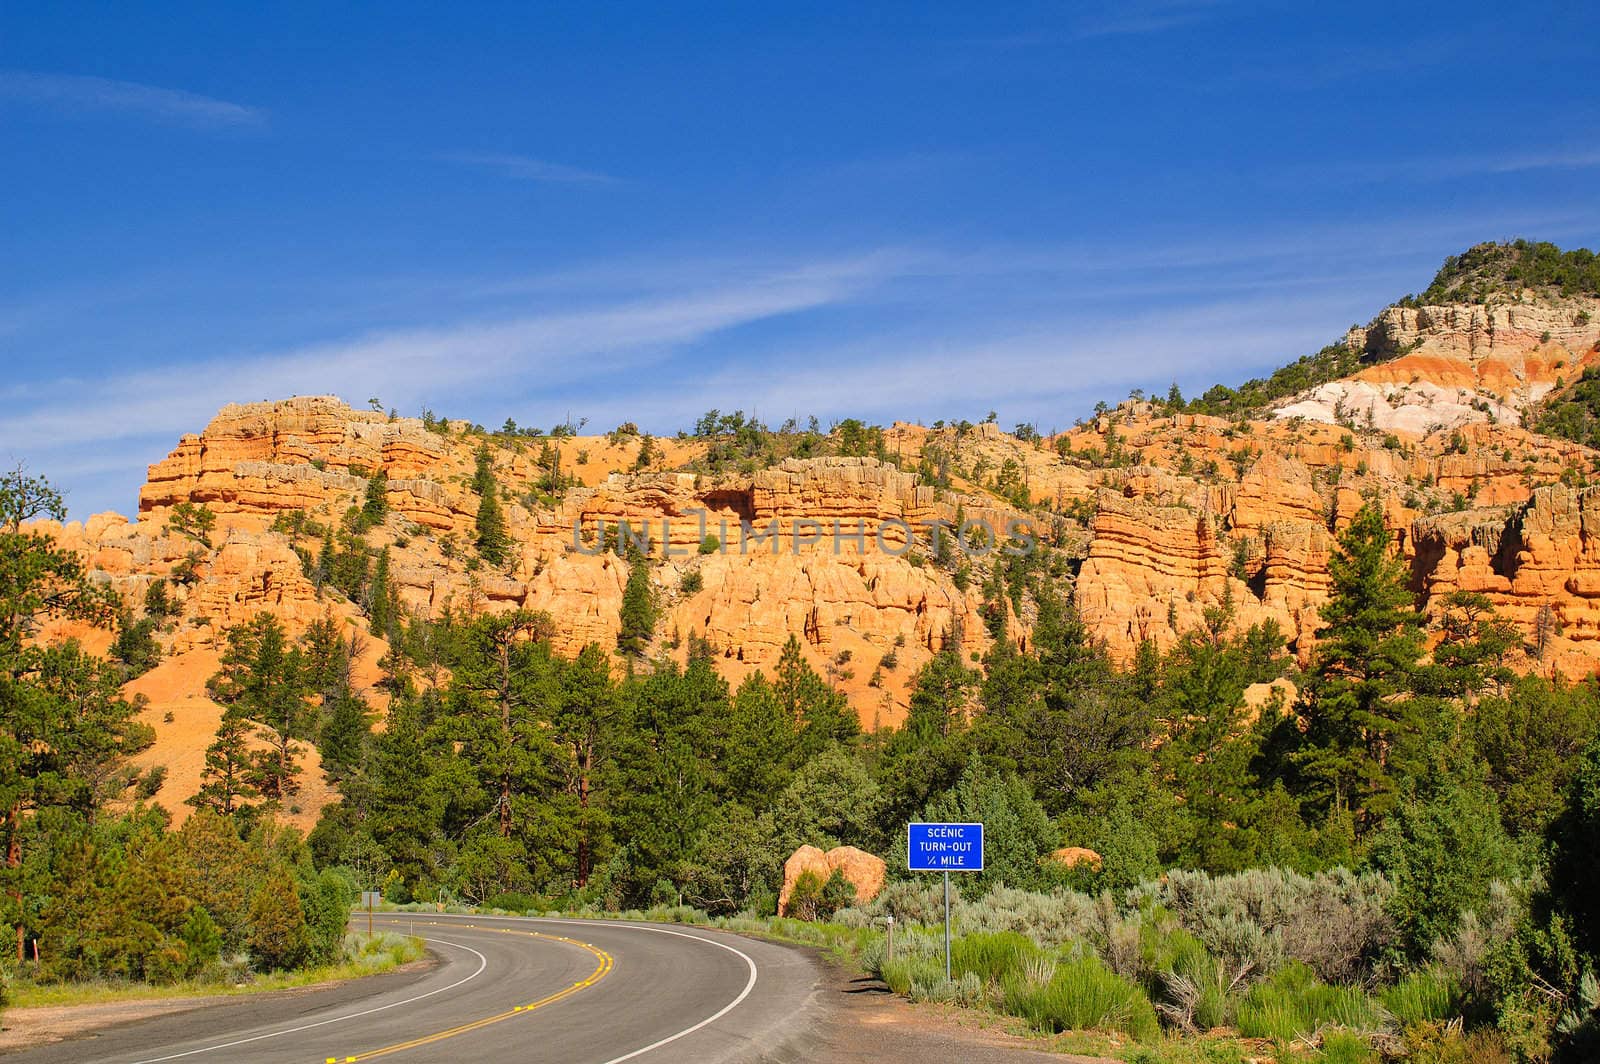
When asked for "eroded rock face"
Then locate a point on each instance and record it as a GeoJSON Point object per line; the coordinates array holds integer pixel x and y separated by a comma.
{"type": "Point", "coordinates": [1539, 564]}
{"type": "Point", "coordinates": [1159, 520]}
{"type": "Point", "coordinates": [1448, 366]}
{"type": "Point", "coordinates": [862, 870]}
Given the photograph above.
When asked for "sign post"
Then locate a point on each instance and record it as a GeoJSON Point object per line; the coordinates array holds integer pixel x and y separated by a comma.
{"type": "Point", "coordinates": [370, 899]}
{"type": "Point", "coordinates": [945, 848]}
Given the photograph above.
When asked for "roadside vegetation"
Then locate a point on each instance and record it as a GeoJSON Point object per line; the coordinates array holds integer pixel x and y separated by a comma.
{"type": "Point", "coordinates": [97, 888]}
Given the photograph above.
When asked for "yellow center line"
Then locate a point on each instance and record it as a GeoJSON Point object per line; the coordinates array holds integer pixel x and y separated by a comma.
{"type": "Point", "coordinates": [602, 969]}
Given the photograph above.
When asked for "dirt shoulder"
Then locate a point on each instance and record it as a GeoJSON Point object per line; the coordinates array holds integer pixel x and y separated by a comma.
{"type": "Point", "coordinates": [863, 1023]}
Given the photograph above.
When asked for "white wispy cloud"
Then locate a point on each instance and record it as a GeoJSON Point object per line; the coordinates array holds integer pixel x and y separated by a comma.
{"type": "Point", "coordinates": [413, 366]}
{"type": "Point", "coordinates": [77, 92]}
{"type": "Point", "coordinates": [525, 168]}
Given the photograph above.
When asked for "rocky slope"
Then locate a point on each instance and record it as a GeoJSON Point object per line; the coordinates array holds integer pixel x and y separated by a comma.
{"type": "Point", "coordinates": [1152, 513]}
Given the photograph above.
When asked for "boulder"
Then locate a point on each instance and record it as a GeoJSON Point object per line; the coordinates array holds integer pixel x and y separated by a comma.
{"type": "Point", "coordinates": [1073, 856]}
{"type": "Point", "coordinates": [861, 869]}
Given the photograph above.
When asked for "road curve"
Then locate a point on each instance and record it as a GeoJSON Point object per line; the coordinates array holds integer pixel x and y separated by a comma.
{"type": "Point", "coordinates": [506, 989]}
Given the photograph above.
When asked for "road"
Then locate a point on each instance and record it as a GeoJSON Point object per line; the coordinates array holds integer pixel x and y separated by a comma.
{"type": "Point", "coordinates": [507, 989]}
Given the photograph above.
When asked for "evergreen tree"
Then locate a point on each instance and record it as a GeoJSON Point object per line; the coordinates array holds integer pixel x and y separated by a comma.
{"type": "Point", "coordinates": [1532, 739]}
{"type": "Point", "coordinates": [830, 801]}
{"type": "Point", "coordinates": [279, 937]}
{"type": "Point", "coordinates": [1357, 707]}
{"type": "Point", "coordinates": [1574, 858]}
{"type": "Point", "coordinates": [375, 505]}
{"type": "Point", "coordinates": [322, 572]}
{"type": "Point", "coordinates": [383, 607]}
{"type": "Point", "coordinates": [1441, 851]}
{"type": "Point", "coordinates": [93, 729]}
{"type": "Point", "coordinates": [821, 714]}
{"type": "Point", "coordinates": [38, 581]}
{"type": "Point", "coordinates": [583, 722]}
{"type": "Point", "coordinates": [925, 755]}
{"type": "Point", "coordinates": [228, 780]}
{"type": "Point", "coordinates": [500, 702]}
{"type": "Point", "coordinates": [421, 791]}
{"type": "Point", "coordinates": [135, 646]}
{"type": "Point", "coordinates": [348, 724]}
{"type": "Point", "coordinates": [1017, 831]}
{"type": "Point", "coordinates": [263, 680]}
{"type": "Point", "coordinates": [638, 612]}
{"type": "Point", "coordinates": [493, 543]}
{"type": "Point", "coordinates": [761, 743]}
{"type": "Point", "coordinates": [1208, 757]}
{"type": "Point", "coordinates": [1062, 717]}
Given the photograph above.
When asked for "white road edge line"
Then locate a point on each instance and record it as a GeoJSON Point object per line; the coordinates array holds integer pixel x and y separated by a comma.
{"type": "Point", "coordinates": [483, 962]}
{"type": "Point", "coordinates": [714, 1017]}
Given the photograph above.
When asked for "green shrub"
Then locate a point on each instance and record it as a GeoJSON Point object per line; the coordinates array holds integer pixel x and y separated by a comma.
{"type": "Point", "coordinates": [1337, 921]}
{"type": "Point", "coordinates": [692, 582]}
{"type": "Point", "coordinates": [900, 973]}
{"type": "Point", "coordinates": [1447, 1043]}
{"type": "Point", "coordinates": [202, 941]}
{"type": "Point", "coordinates": [815, 898]}
{"type": "Point", "coordinates": [515, 901]}
{"type": "Point", "coordinates": [1344, 1047]}
{"type": "Point", "coordinates": [1294, 1004]}
{"type": "Point", "coordinates": [1193, 991]}
{"type": "Point", "coordinates": [710, 545]}
{"type": "Point", "coordinates": [326, 902]}
{"type": "Point", "coordinates": [1051, 920]}
{"type": "Point", "coordinates": [1442, 853]}
{"type": "Point", "coordinates": [1422, 997]}
{"type": "Point", "coordinates": [991, 956]}
{"type": "Point", "coordinates": [1081, 994]}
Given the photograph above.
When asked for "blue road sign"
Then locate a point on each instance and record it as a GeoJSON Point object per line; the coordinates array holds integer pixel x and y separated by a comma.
{"type": "Point", "coordinates": [944, 847]}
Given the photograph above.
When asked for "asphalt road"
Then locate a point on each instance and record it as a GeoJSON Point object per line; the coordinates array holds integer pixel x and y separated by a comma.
{"type": "Point", "coordinates": [507, 989]}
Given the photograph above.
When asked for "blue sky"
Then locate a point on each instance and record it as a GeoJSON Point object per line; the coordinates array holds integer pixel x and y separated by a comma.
{"type": "Point", "coordinates": [632, 212]}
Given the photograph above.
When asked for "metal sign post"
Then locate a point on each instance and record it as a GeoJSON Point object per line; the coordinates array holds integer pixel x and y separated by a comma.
{"type": "Point", "coordinates": [947, 927]}
{"type": "Point", "coordinates": [945, 848]}
{"type": "Point", "coordinates": [370, 899]}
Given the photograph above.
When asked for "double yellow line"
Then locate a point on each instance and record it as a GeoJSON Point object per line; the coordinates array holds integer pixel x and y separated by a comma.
{"type": "Point", "coordinates": [602, 969]}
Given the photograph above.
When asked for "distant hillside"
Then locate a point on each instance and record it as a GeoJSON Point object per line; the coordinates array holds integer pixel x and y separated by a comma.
{"type": "Point", "coordinates": [1484, 271]}
{"type": "Point", "coordinates": [1476, 276]}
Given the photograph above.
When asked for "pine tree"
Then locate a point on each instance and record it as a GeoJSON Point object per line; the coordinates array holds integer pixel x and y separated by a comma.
{"type": "Point", "coordinates": [1357, 706]}
{"type": "Point", "coordinates": [761, 741]}
{"type": "Point", "coordinates": [821, 714]}
{"type": "Point", "coordinates": [375, 506]}
{"type": "Point", "coordinates": [323, 570]}
{"type": "Point", "coordinates": [38, 581]}
{"type": "Point", "coordinates": [925, 755]}
{"type": "Point", "coordinates": [583, 723]}
{"type": "Point", "coordinates": [279, 937]}
{"type": "Point", "coordinates": [348, 725]}
{"type": "Point", "coordinates": [494, 545]}
{"type": "Point", "coordinates": [263, 679]}
{"type": "Point", "coordinates": [227, 782]}
{"type": "Point", "coordinates": [501, 697]}
{"type": "Point", "coordinates": [638, 612]}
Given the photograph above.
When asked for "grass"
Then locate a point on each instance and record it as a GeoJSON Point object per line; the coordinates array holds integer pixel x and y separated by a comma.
{"type": "Point", "coordinates": [1422, 997]}
{"type": "Point", "coordinates": [363, 956]}
{"type": "Point", "coordinates": [1081, 994]}
{"type": "Point", "coordinates": [1295, 1005]}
